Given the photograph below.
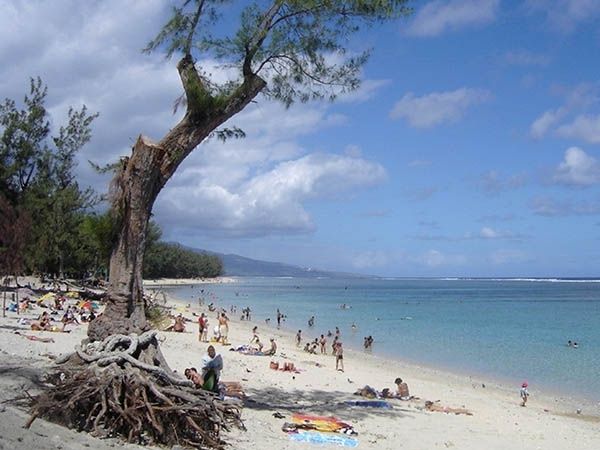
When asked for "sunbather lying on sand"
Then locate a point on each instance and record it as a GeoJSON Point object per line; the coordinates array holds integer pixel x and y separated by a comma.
{"type": "Point", "coordinates": [430, 406]}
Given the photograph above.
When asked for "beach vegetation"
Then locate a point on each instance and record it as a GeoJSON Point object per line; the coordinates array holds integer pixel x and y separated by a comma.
{"type": "Point", "coordinates": [284, 50]}
{"type": "Point", "coordinates": [43, 207]}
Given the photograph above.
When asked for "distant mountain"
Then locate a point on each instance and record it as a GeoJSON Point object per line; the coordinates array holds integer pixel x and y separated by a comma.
{"type": "Point", "coordinates": [240, 266]}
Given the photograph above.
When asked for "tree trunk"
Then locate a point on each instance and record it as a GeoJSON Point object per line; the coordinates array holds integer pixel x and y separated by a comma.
{"type": "Point", "coordinates": [136, 189]}
{"type": "Point", "coordinates": [137, 184]}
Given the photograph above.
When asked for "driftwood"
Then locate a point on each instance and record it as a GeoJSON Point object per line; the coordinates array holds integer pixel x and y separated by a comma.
{"type": "Point", "coordinates": [119, 387]}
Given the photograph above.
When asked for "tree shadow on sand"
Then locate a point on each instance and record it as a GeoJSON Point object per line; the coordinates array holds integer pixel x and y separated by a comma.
{"type": "Point", "coordinates": [320, 402]}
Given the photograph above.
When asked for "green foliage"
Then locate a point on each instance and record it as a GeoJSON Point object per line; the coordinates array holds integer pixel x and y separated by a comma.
{"type": "Point", "coordinates": [299, 46]}
{"type": "Point", "coordinates": [36, 177]}
{"type": "Point", "coordinates": [165, 260]}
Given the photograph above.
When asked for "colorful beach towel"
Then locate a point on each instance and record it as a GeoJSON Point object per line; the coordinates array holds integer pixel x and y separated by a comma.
{"type": "Point", "coordinates": [315, 437]}
{"type": "Point", "coordinates": [369, 403]}
{"type": "Point", "coordinates": [321, 423]}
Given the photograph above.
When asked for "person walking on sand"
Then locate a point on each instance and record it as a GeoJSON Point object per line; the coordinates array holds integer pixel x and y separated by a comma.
{"type": "Point", "coordinates": [298, 338]}
{"type": "Point", "coordinates": [524, 393]}
{"type": "Point", "coordinates": [339, 357]}
{"type": "Point", "coordinates": [223, 328]}
{"type": "Point", "coordinates": [202, 324]}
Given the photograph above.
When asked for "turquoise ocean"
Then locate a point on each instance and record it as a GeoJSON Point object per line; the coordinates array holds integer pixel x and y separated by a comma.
{"type": "Point", "coordinates": [507, 330]}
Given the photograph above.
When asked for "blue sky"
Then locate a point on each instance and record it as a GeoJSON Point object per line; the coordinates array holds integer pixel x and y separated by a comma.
{"type": "Point", "coordinates": [471, 149]}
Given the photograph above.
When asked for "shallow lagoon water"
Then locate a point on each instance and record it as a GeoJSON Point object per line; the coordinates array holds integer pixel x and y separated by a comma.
{"type": "Point", "coordinates": [510, 330]}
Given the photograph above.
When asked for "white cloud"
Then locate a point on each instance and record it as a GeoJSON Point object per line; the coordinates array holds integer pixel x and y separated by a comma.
{"type": "Point", "coordinates": [578, 169]}
{"type": "Point", "coordinates": [270, 202]}
{"type": "Point", "coordinates": [88, 53]}
{"type": "Point", "coordinates": [439, 16]}
{"type": "Point", "coordinates": [493, 183]}
{"type": "Point", "coordinates": [585, 127]}
{"type": "Point", "coordinates": [551, 207]}
{"type": "Point", "coordinates": [540, 127]}
{"type": "Point", "coordinates": [438, 107]}
{"type": "Point", "coordinates": [577, 101]}
{"type": "Point", "coordinates": [488, 233]}
{"type": "Point", "coordinates": [565, 15]}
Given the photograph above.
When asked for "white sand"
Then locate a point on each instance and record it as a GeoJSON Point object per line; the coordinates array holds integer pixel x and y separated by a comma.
{"type": "Point", "coordinates": [498, 422]}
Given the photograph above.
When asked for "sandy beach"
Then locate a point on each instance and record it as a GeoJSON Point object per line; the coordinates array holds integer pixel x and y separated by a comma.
{"type": "Point", "coordinates": [498, 421]}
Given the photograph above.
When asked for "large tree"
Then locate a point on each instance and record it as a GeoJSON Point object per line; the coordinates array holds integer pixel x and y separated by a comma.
{"type": "Point", "coordinates": [287, 50]}
{"type": "Point", "coordinates": [37, 180]}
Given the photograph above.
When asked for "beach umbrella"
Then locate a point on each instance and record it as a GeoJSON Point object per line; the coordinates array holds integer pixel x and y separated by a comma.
{"type": "Point", "coordinates": [46, 298]}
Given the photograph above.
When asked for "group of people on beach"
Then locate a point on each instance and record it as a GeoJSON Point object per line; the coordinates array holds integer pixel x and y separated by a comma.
{"type": "Point", "coordinates": [255, 340]}
{"type": "Point", "coordinates": [210, 371]}
{"type": "Point", "coordinates": [320, 343]}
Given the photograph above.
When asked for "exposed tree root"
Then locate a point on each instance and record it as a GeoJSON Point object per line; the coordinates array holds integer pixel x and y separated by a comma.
{"type": "Point", "coordinates": [122, 387]}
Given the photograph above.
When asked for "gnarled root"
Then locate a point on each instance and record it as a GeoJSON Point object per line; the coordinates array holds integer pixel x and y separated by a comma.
{"type": "Point", "coordinates": [121, 390]}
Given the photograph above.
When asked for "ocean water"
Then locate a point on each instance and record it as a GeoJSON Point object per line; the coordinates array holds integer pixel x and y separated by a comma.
{"type": "Point", "coordinates": [508, 330]}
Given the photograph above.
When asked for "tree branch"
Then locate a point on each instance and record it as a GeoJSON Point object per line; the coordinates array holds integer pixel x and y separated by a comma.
{"type": "Point", "coordinates": [187, 49]}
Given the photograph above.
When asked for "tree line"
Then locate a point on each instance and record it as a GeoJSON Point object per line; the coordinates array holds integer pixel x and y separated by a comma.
{"type": "Point", "coordinates": [49, 224]}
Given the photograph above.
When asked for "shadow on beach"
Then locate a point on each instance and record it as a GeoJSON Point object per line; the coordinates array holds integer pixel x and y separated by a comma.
{"type": "Point", "coordinates": [318, 402]}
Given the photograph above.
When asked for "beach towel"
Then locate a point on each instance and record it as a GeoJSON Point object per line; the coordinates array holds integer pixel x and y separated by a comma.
{"type": "Point", "coordinates": [321, 423]}
{"type": "Point", "coordinates": [369, 403]}
{"type": "Point", "coordinates": [315, 437]}
{"type": "Point", "coordinates": [247, 350]}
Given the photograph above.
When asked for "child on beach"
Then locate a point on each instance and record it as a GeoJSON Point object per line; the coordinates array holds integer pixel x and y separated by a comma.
{"type": "Point", "coordinates": [524, 393]}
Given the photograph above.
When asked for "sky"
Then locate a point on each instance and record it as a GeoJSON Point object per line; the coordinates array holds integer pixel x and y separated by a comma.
{"type": "Point", "coordinates": [472, 147]}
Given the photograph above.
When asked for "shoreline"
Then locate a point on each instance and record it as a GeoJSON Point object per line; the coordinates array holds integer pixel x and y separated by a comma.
{"type": "Point", "coordinates": [160, 282]}
{"type": "Point", "coordinates": [498, 422]}
{"type": "Point", "coordinates": [569, 402]}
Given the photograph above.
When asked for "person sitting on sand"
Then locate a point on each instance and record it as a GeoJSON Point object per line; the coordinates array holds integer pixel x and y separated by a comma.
{"type": "Point", "coordinates": [43, 323]}
{"type": "Point", "coordinates": [430, 406]}
{"type": "Point", "coordinates": [273, 349]}
{"type": "Point", "coordinates": [179, 325]}
{"type": "Point", "coordinates": [212, 364]}
{"type": "Point", "coordinates": [193, 375]}
{"type": "Point", "coordinates": [402, 389]}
